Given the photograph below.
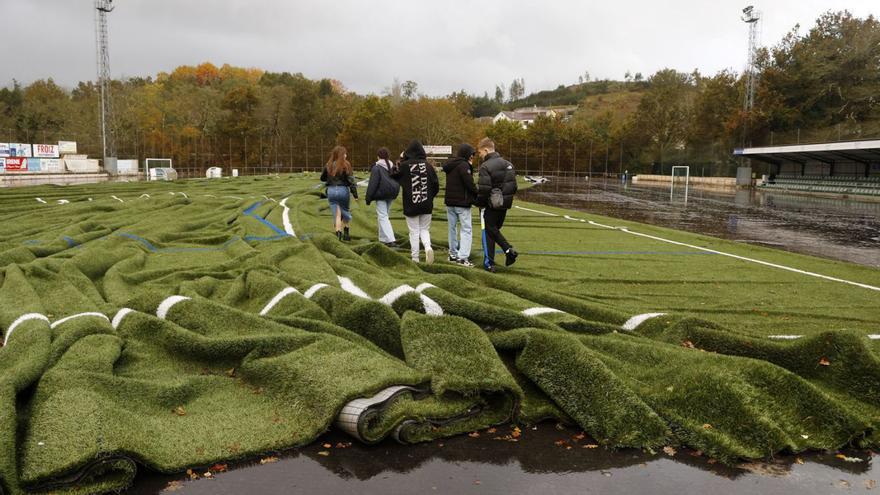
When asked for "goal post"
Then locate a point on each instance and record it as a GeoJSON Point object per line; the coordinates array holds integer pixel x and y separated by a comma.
{"type": "Point", "coordinates": [687, 179]}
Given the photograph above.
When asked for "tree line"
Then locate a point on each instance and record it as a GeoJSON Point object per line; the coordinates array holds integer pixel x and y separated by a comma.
{"type": "Point", "coordinates": [823, 84]}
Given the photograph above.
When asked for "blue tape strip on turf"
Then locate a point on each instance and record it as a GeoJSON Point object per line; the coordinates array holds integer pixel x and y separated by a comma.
{"type": "Point", "coordinates": [250, 212]}
{"type": "Point", "coordinates": [70, 241]}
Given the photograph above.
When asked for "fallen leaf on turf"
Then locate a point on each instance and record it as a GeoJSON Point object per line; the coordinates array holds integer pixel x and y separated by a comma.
{"type": "Point", "coordinates": [844, 483]}
{"type": "Point", "coordinates": [696, 453]}
{"type": "Point", "coordinates": [805, 436]}
{"type": "Point", "coordinates": [707, 426]}
{"type": "Point", "coordinates": [175, 485]}
{"type": "Point", "coordinates": [268, 460]}
{"type": "Point", "coordinates": [327, 446]}
{"type": "Point", "coordinates": [219, 468]}
{"type": "Point", "coordinates": [346, 445]}
{"type": "Point", "coordinates": [476, 482]}
{"type": "Point", "coordinates": [324, 453]}
{"type": "Point", "coordinates": [591, 446]}
{"type": "Point", "coordinates": [491, 430]}
{"type": "Point", "coordinates": [516, 432]}
{"type": "Point", "coordinates": [824, 362]}
{"type": "Point", "coordinates": [798, 460]}
{"type": "Point", "coordinates": [688, 344]}
{"type": "Point", "coordinates": [180, 411]}
{"type": "Point", "coordinates": [208, 475]}
{"type": "Point", "coordinates": [474, 434]}
{"type": "Point", "coordinates": [670, 389]}
{"type": "Point", "coordinates": [579, 436]}
{"type": "Point", "coordinates": [870, 484]}
{"type": "Point", "coordinates": [712, 461]}
{"type": "Point", "coordinates": [230, 372]}
{"type": "Point", "coordinates": [560, 443]}
{"type": "Point", "coordinates": [192, 475]}
{"type": "Point", "coordinates": [669, 450]}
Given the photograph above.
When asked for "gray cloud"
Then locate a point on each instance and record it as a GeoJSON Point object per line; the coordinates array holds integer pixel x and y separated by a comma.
{"type": "Point", "coordinates": [444, 46]}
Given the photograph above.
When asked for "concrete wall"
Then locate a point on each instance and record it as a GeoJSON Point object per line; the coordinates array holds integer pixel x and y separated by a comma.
{"type": "Point", "coordinates": [22, 179]}
{"type": "Point", "coordinates": [694, 181]}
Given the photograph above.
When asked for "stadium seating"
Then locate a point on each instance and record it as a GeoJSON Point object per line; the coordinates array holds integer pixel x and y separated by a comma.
{"type": "Point", "coordinates": [838, 184]}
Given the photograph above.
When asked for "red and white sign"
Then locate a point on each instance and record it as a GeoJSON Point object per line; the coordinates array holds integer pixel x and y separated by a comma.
{"type": "Point", "coordinates": [16, 164]}
{"type": "Point", "coordinates": [46, 151]}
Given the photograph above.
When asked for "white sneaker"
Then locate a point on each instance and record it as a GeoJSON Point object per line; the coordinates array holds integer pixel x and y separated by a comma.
{"type": "Point", "coordinates": [429, 256]}
{"type": "Point", "coordinates": [465, 262]}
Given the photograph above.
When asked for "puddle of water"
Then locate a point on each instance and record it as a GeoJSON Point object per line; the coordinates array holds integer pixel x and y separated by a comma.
{"type": "Point", "coordinates": [548, 459]}
{"type": "Point", "coordinates": [838, 229]}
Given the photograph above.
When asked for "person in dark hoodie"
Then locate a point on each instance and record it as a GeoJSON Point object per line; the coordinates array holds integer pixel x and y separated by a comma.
{"type": "Point", "coordinates": [420, 185]}
{"type": "Point", "coordinates": [495, 190]}
{"type": "Point", "coordinates": [383, 189]}
{"type": "Point", "coordinates": [461, 194]}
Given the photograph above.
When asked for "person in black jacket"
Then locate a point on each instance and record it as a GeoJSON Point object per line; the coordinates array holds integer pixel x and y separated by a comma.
{"type": "Point", "coordinates": [461, 193]}
{"type": "Point", "coordinates": [495, 190]}
{"type": "Point", "coordinates": [420, 185]}
{"type": "Point", "coordinates": [339, 177]}
{"type": "Point", "coordinates": [383, 189]}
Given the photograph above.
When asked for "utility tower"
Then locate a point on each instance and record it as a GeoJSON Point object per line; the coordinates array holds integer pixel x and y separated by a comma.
{"type": "Point", "coordinates": [753, 19]}
{"type": "Point", "coordinates": [102, 8]}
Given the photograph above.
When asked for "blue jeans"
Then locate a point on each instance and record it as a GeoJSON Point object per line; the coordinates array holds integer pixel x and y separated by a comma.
{"type": "Point", "coordinates": [460, 215]}
{"type": "Point", "coordinates": [339, 197]}
{"type": "Point", "coordinates": [383, 208]}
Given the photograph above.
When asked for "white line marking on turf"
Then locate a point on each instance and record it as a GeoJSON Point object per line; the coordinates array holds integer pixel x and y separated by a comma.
{"type": "Point", "coordinates": [431, 306]}
{"type": "Point", "coordinates": [41, 200]}
{"type": "Point", "coordinates": [351, 288]}
{"type": "Point", "coordinates": [424, 286]}
{"type": "Point", "coordinates": [278, 297]}
{"type": "Point", "coordinates": [635, 321]}
{"type": "Point", "coordinates": [165, 306]}
{"type": "Point", "coordinates": [874, 336]}
{"type": "Point", "coordinates": [21, 319]}
{"type": "Point", "coordinates": [285, 218]}
{"type": "Point", "coordinates": [315, 288]}
{"type": "Point", "coordinates": [536, 211]}
{"type": "Point", "coordinates": [122, 313]}
{"type": "Point", "coordinates": [117, 199]}
{"type": "Point", "coordinates": [573, 219]}
{"type": "Point", "coordinates": [784, 337]}
{"type": "Point", "coordinates": [540, 311]}
{"type": "Point", "coordinates": [144, 195]}
{"type": "Point", "coordinates": [63, 201]}
{"type": "Point", "coordinates": [78, 315]}
{"type": "Point", "coordinates": [396, 294]}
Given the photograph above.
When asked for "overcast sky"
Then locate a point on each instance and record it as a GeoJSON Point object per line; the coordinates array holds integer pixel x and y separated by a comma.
{"type": "Point", "coordinates": [442, 45]}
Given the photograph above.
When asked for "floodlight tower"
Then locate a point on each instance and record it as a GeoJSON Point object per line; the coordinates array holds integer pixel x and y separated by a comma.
{"type": "Point", "coordinates": [102, 8]}
{"type": "Point", "coordinates": [753, 19]}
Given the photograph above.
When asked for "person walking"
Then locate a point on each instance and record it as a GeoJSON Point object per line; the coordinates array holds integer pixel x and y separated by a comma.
{"type": "Point", "coordinates": [383, 189]}
{"type": "Point", "coordinates": [338, 176]}
{"type": "Point", "coordinates": [461, 194]}
{"type": "Point", "coordinates": [495, 190]}
{"type": "Point", "coordinates": [419, 182]}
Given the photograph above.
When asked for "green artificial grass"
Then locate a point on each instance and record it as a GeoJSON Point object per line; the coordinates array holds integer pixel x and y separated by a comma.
{"type": "Point", "coordinates": [276, 333]}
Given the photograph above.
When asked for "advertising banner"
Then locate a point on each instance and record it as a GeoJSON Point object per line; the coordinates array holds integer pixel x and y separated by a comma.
{"type": "Point", "coordinates": [33, 165]}
{"type": "Point", "coordinates": [46, 150]}
{"type": "Point", "coordinates": [2, 165]}
{"type": "Point", "coordinates": [67, 147]}
{"type": "Point", "coordinates": [50, 165]}
{"type": "Point", "coordinates": [16, 164]}
{"type": "Point", "coordinates": [4, 149]}
{"type": "Point", "coordinates": [20, 149]}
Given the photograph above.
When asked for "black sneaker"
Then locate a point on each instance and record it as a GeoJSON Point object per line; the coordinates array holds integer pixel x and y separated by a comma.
{"type": "Point", "coordinates": [452, 258]}
{"type": "Point", "coordinates": [510, 257]}
{"type": "Point", "coordinates": [339, 235]}
{"type": "Point", "coordinates": [465, 262]}
{"type": "Point", "coordinates": [345, 235]}
{"type": "Point", "coordinates": [491, 269]}
{"type": "Point", "coordinates": [392, 244]}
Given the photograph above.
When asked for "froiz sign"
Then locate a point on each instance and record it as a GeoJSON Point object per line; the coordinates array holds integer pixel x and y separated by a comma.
{"type": "Point", "coordinates": [46, 150]}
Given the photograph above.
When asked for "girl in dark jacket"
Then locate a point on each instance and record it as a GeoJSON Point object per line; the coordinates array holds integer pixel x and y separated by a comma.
{"type": "Point", "coordinates": [419, 182]}
{"type": "Point", "coordinates": [383, 189]}
{"type": "Point", "coordinates": [337, 175]}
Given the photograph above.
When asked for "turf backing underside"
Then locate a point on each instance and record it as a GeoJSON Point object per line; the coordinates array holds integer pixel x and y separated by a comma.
{"type": "Point", "coordinates": [231, 371]}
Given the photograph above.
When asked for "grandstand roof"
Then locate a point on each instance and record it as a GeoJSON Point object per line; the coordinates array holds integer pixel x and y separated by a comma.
{"type": "Point", "coordinates": [867, 151]}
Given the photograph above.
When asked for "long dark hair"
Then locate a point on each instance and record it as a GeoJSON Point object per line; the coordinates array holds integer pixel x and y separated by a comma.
{"type": "Point", "coordinates": [337, 163]}
{"type": "Point", "coordinates": [384, 155]}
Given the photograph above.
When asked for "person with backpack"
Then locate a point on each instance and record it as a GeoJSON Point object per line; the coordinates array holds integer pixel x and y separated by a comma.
{"type": "Point", "coordinates": [383, 189]}
{"type": "Point", "coordinates": [495, 190]}
{"type": "Point", "coordinates": [461, 194]}
{"type": "Point", "coordinates": [419, 182]}
{"type": "Point", "coordinates": [339, 177]}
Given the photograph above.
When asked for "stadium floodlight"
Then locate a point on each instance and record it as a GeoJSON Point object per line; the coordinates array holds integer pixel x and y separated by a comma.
{"type": "Point", "coordinates": [102, 41]}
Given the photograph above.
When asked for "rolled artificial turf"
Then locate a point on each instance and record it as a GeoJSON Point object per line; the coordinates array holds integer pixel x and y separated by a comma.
{"type": "Point", "coordinates": [183, 324]}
